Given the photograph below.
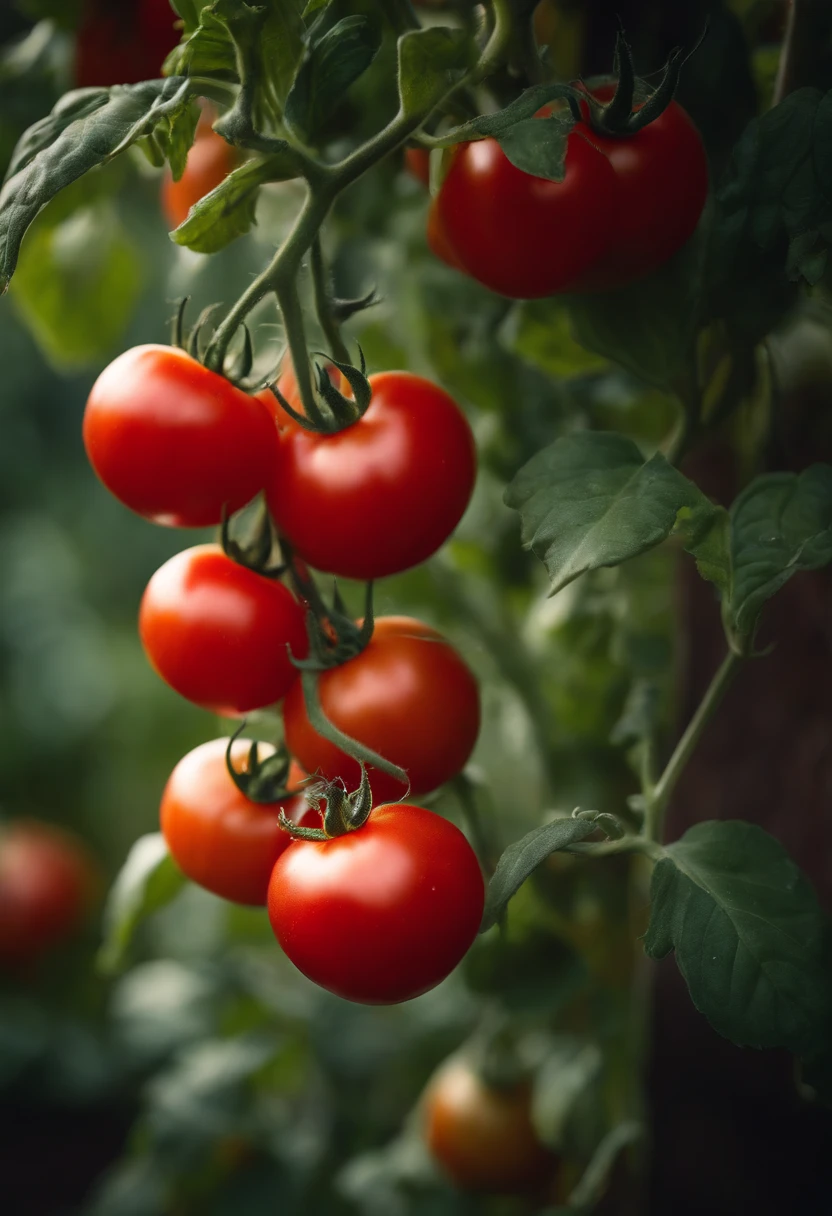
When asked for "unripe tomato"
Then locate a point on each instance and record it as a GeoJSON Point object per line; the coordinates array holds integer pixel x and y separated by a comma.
{"type": "Point", "coordinates": [383, 494]}
{"type": "Point", "coordinates": [47, 881]}
{"type": "Point", "coordinates": [124, 42]}
{"type": "Point", "coordinates": [220, 634]}
{"type": "Point", "coordinates": [218, 837]}
{"type": "Point", "coordinates": [383, 913]}
{"type": "Point", "coordinates": [210, 160]}
{"type": "Point", "coordinates": [409, 696]}
{"type": "Point", "coordinates": [174, 441]}
{"type": "Point", "coordinates": [525, 236]}
{"type": "Point", "coordinates": [482, 1137]}
{"type": "Point", "coordinates": [417, 163]}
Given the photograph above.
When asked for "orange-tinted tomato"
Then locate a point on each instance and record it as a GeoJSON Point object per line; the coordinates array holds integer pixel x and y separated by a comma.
{"type": "Point", "coordinates": [409, 696]}
{"type": "Point", "coordinates": [210, 160]}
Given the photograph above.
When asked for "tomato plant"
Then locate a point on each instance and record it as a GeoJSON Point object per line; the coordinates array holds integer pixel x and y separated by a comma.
{"type": "Point", "coordinates": [409, 696]}
{"type": "Point", "coordinates": [210, 160]}
{"type": "Point", "coordinates": [380, 914]}
{"type": "Point", "coordinates": [47, 883]}
{"type": "Point", "coordinates": [482, 1135]}
{"type": "Point", "coordinates": [220, 634]}
{"type": "Point", "coordinates": [218, 837]}
{"type": "Point", "coordinates": [174, 441]}
{"type": "Point", "coordinates": [346, 500]}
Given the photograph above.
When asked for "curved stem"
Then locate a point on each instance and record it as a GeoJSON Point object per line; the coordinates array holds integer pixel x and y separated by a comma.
{"type": "Point", "coordinates": [609, 848]}
{"type": "Point", "coordinates": [331, 329]}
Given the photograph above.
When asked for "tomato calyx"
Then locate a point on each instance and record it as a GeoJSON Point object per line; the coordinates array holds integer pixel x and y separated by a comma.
{"type": "Point", "coordinates": [633, 105]}
{"type": "Point", "coordinates": [264, 779]}
{"type": "Point", "coordinates": [334, 636]}
{"type": "Point", "coordinates": [331, 410]}
{"type": "Point", "coordinates": [341, 812]}
{"type": "Point", "coordinates": [254, 551]}
{"type": "Point", "coordinates": [235, 368]}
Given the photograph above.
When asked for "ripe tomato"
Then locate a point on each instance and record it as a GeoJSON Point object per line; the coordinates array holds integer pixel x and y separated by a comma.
{"type": "Point", "coordinates": [220, 634]}
{"type": "Point", "coordinates": [483, 1137]}
{"type": "Point", "coordinates": [210, 160]}
{"type": "Point", "coordinates": [437, 238]}
{"type": "Point", "coordinates": [123, 43]}
{"type": "Point", "coordinates": [383, 913]}
{"type": "Point", "coordinates": [47, 881]}
{"type": "Point", "coordinates": [383, 494]}
{"type": "Point", "coordinates": [662, 185]}
{"type": "Point", "coordinates": [417, 163]}
{"type": "Point", "coordinates": [525, 236]}
{"type": "Point", "coordinates": [218, 837]}
{"type": "Point", "coordinates": [174, 441]}
{"type": "Point", "coordinates": [409, 696]}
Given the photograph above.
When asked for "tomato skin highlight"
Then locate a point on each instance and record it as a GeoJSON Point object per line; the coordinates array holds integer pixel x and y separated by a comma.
{"type": "Point", "coordinates": [524, 236]}
{"type": "Point", "coordinates": [210, 160]}
{"type": "Point", "coordinates": [174, 441]}
{"type": "Point", "coordinates": [383, 494]}
{"type": "Point", "coordinates": [47, 883]}
{"type": "Point", "coordinates": [124, 46]}
{"type": "Point", "coordinates": [218, 633]}
{"type": "Point", "coordinates": [218, 837]}
{"type": "Point", "coordinates": [381, 914]}
{"type": "Point", "coordinates": [483, 1138]}
{"type": "Point", "coordinates": [409, 696]}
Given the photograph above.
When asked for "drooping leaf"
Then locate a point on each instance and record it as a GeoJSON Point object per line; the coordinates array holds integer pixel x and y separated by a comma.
{"type": "Point", "coordinates": [175, 136]}
{"type": "Point", "coordinates": [86, 129]}
{"type": "Point", "coordinates": [538, 146]}
{"type": "Point", "coordinates": [591, 500]}
{"type": "Point", "coordinates": [431, 61]}
{"type": "Point", "coordinates": [780, 524]}
{"type": "Point", "coordinates": [524, 856]}
{"type": "Point", "coordinates": [148, 880]}
{"type": "Point", "coordinates": [331, 64]}
{"type": "Point", "coordinates": [228, 211]}
{"type": "Point", "coordinates": [748, 935]}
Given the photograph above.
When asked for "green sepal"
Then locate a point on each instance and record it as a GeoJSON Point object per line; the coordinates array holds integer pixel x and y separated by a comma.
{"type": "Point", "coordinates": [264, 779]}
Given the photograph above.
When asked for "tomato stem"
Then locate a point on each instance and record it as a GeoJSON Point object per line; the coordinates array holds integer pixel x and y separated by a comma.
{"type": "Point", "coordinates": [328, 730]}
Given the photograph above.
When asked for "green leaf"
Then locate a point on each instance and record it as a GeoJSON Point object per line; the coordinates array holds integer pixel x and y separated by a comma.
{"type": "Point", "coordinates": [780, 524]}
{"type": "Point", "coordinates": [524, 856]}
{"type": "Point", "coordinates": [85, 129]}
{"type": "Point", "coordinates": [569, 1069]}
{"type": "Point", "coordinates": [539, 331]}
{"type": "Point", "coordinates": [502, 121]}
{"type": "Point", "coordinates": [640, 716]}
{"type": "Point", "coordinates": [431, 61]}
{"type": "Point", "coordinates": [538, 146]}
{"type": "Point", "coordinates": [149, 879]}
{"type": "Point", "coordinates": [590, 500]}
{"type": "Point", "coordinates": [331, 65]}
{"type": "Point", "coordinates": [175, 135]}
{"type": "Point", "coordinates": [314, 5]}
{"type": "Point", "coordinates": [228, 211]}
{"type": "Point", "coordinates": [748, 935]}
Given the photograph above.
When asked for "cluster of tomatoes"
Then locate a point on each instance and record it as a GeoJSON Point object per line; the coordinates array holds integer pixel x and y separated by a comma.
{"type": "Point", "coordinates": [381, 912]}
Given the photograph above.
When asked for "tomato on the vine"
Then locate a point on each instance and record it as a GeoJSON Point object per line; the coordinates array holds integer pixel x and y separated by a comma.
{"type": "Point", "coordinates": [210, 160]}
{"type": "Point", "coordinates": [482, 1136]}
{"type": "Point", "coordinates": [219, 838]}
{"type": "Point", "coordinates": [409, 696]}
{"type": "Point", "coordinates": [417, 163]}
{"type": "Point", "coordinates": [175, 442]}
{"type": "Point", "coordinates": [383, 494]}
{"type": "Point", "coordinates": [219, 634]}
{"type": "Point", "coordinates": [123, 43]}
{"type": "Point", "coordinates": [383, 913]}
{"type": "Point", "coordinates": [526, 236]}
{"type": "Point", "coordinates": [47, 882]}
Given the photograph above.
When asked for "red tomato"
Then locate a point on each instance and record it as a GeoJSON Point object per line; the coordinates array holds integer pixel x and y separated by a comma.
{"type": "Point", "coordinates": [662, 185]}
{"type": "Point", "coordinates": [437, 237]}
{"type": "Point", "coordinates": [218, 837]}
{"type": "Point", "coordinates": [174, 441]}
{"type": "Point", "coordinates": [525, 236]}
{"type": "Point", "coordinates": [123, 43]}
{"type": "Point", "coordinates": [220, 634]}
{"type": "Point", "coordinates": [383, 913]}
{"type": "Point", "coordinates": [483, 1138]}
{"type": "Point", "coordinates": [47, 880]}
{"type": "Point", "coordinates": [409, 696]}
{"type": "Point", "coordinates": [210, 160]}
{"type": "Point", "coordinates": [383, 494]}
{"type": "Point", "coordinates": [417, 163]}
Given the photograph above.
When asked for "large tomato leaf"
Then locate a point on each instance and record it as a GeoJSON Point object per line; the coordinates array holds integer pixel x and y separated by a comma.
{"type": "Point", "coordinates": [590, 500]}
{"type": "Point", "coordinates": [748, 934]}
{"type": "Point", "coordinates": [524, 856]}
{"type": "Point", "coordinates": [431, 61]}
{"type": "Point", "coordinates": [148, 880]}
{"type": "Point", "coordinates": [87, 128]}
{"type": "Point", "coordinates": [331, 64]}
{"type": "Point", "coordinates": [229, 210]}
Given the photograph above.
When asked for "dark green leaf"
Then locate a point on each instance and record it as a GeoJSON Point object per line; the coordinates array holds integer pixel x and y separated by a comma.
{"type": "Point", "coordinates": [332, 64]}
{"type": "Point", "coordinates": [518, 111]}
{"type": "Point", "coordinates": [538, 146]}
{"type": "Point", "coordinates": [229, 210]}
{"type": "Point", "coordinates": [780, 524]}
{"type": "Point", "coordinates": [590, 500]}
{"type": "Point", "coordinates": [148, 881]}
{"type": "Point", "coordinates": [175, 136]}
{"type": "Point", "coordinates": [524, 856]}
{"type": "Point", "coordinates": [748, 935]}
{"type": "Point", "coordinates": [70, 143]}
{"type": "Point", "coordinates": [431, 61]}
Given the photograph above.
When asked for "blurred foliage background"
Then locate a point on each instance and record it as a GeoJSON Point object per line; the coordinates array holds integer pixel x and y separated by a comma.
{"type": "Point", "coordinates": [229, 1082]}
